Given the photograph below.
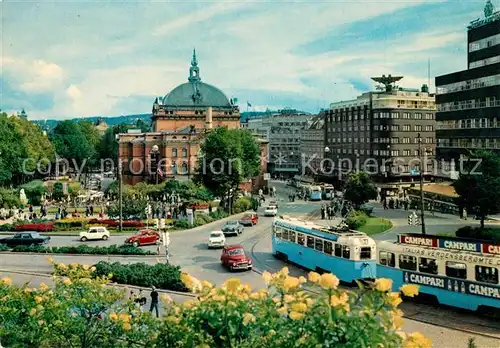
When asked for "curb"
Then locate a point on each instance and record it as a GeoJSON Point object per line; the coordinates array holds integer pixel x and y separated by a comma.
{"type": "Point", "coordinates": [48, 275]}
{"type": "Point", "coordinates": [94, 255]}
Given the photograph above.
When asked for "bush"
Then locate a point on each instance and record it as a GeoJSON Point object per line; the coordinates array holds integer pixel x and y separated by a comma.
{"type": "Point", "coordinates": [39, 227]}
{"type": "Point", "coordinates": [9, 199]}
{"type": "Point", "coordinates": [219, 214]}
{"type": "Point", "coordinates": [34, 191]}
{"type": "Point", "coordinates": [6, 227]}
{"type": "Point", "coordinates": [182, 224]}
{"type": "Point", "coordinates": [116, 223]}
{"type": "Point", "coordinates": [71, 223]}
{"type": "Point", "coordinates": [488, 234]}
{"type": "Point", "coordinates": [202, 219]}
{"type": "Point", "coordinates": [356, 219]}
{"type": "Point", "coordinates": [161, 275]}
{"type": "Point", "coordinates": [4, 247]}
{"type": "Point", "coordinates": [243, 204]}
{"type": "Point", "coordinates": [84, 249]}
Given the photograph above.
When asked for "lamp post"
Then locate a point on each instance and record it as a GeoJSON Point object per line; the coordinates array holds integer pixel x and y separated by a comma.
{"type": "Point", "coordinates": [155, 155]}
{"type": "Point", "coordinates": [230, 201]}
{"type": "Point", "coordinates": [327, 151]}
{"type": "Point", "coordinates": [422, 222]}
{"type": "Point", "coordinates": [120, 192]}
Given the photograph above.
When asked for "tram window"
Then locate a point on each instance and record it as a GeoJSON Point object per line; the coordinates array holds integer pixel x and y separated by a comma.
{"type": "Point", "coordinates": [426, 265]}
{"type": "Point", "coordinates": [365, 253]}
{"type": "Point", "coordinates": [387, 259]}
{"type": "Point", "coordinates": [346, 252]}
{"type": "Point", "coordinates": [319, 245]}
{"type": "Point", "coordinates": [328, 248]}
{"type": "Point", "coordinates": [456, 269]}
{"type": "Point", "coordinates": [338, 250]}
{"type": "Point", "coordinates": [277, 232]}
{"type": "Point", "coordinates": [487, 274]}
{"type": "Point", "coordinates": [291, 236]}
{"type": "Point", "coordinates": [300, 238]}
{"type": "Point", "coordinates": [284, 235]}
{"type": "Point", "coordinates": [310, 242]}
{"type": "Point", "coordinates": [408, 262]}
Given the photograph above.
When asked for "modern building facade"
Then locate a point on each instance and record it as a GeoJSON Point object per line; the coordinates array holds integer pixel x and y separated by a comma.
{"type": "Point", "coordinates": [380, 132]}
{"type": "Point", "coordinates": [468, 101]}
{"type": "Point", "coordinates": [180, 121]}
{"type": "Point", "coordinates": [312, 146]}
{"type": "Point", "coordinates": [283, 133]}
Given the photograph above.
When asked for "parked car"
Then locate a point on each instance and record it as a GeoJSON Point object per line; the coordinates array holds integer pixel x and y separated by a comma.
{"type": "Point", "coordinates": [271, 211]}
{"type": "Point", "coordinates": [216, 239]}
{"type": "Point", "coordinates": [249, 219]}
{"type": "Point", "coordinates": [94, 233]}
{"type": "Point", "coordinates": [233, 257]}
{"type": "Point", "coordinates": [232, 227]}
{"type": "Point", "coordinates": [143, 237]}
{"type": "Point", "coordinates": [25, 238]}
{"type": "Point", "coordinates": [273, 203]}
{"type": "Point", "coordinates": [367, 209]}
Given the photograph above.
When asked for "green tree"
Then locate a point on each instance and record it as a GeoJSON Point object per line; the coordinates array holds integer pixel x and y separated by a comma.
{"type": "Point", "coordinates": [57, 191]}
{"type": "Point", "coordinates": [71, 142]}
{"type": "Point", "coordinates": [12, 151]}
{"type": "Point", "coordinates": [229, 156]}
{"type": "Point", "coordinates": [143, 126]}
{"type": "Point", "coordinates": [108, 146]}
{"type": "Point", "coordinates": [359, 189]}
{"type": "Point", "coordinates": [478, 185]}
{"type": "Point", "coordinates": [93, 137]}
{"type": "Point", "coordinates": [34, 191]}
{"type": "Point", "coordinates": [132, 208]}
{"type": "Point", "coordinates": [9, 198]}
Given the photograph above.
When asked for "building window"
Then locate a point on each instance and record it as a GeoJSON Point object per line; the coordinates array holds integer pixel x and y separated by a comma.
{"type": "Point", "coordinates": [184, 152]}
{"type": "Point", "coordinates": [184, 168]}
{"type": "Point", "coordinates": [395, 115]}
{"type": "Point", "coordinates": [406, 115]}
{"type": "Point", "coordinates": [429, 128]}
{"type": "Point", "coordinates": [394, 140]}
{"type": "Point", "coordinates": [406, 128]}
{"type": "Point", "coordinates": [429, 116]}
{"type": "Point", "coordinates": [429, 140]}
{"type": "Point", "coordinates": [406, 140]}
{"type": "Point", "coordinates": [395, 128]}
{"type": "Point", "coordinates": [406, 152]}
{"type": "Point", "coordinates": [417, 116]}
{"type": "Point", "coordinates": [375, 115]}
{"type": "Point", "coordinates": [375, 127]}
{"type": "Point", "coordinates": [174, 152]}
{"type": "Point", "coordinates": [418, 128]}
{"type": "Point", "coordinates": [395, 153]}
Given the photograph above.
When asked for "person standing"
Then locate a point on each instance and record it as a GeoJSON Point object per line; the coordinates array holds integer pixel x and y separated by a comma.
{"type": "Point", "coordinates": [322, 212]}
{"type": "Point", "coordinates": [154, 301]}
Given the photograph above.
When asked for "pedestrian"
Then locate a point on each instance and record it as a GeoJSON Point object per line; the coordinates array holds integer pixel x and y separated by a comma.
{"type": "Point", "coordinates": [322, 212]}
{"type": "Point", "coordinates": [91, 210]}
{"type": "Point", "coordinates": [384, 202]}
{"type": "Point", "coordinates": [397, 203]}
{"type": "Point", "coordinates": [465, 214]}
{"type": "Point", "coordinates": [154, 301]}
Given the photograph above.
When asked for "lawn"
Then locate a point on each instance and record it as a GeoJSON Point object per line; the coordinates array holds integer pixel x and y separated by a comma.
{"type": "Point", "coordinates": [375, 225]}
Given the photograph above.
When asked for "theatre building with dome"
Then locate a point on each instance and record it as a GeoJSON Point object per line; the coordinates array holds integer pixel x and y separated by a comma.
{"type": "Point", "coordinates": [180, 121]}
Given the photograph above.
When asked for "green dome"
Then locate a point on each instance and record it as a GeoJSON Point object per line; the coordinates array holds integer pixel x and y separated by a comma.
{"type": "Point", "coordinates": [196, 93]}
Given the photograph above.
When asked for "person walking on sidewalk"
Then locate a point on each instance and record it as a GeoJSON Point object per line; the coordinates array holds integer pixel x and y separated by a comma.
{"type": "Point", "coordinates": [154, 301]}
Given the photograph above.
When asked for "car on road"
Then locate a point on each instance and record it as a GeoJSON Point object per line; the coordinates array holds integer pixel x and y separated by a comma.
{"type": "Point", "coordinates": [95, 233]}
{"type": "Point", "coordinates": [273, 203]}
{"type": "Point", "coordinates": [233, 257]}
{"type": "Point", "coordinates": [232, 228]}
{"type": "Point", "coordinates": [25, 238]}
{"type": "Point", "coordinates": [144, 237]}
{"type": "Point", "coordinates": [271, 211]}
{"type": "Point", "coordinates": [249, 219]}
{"type": "Point", "coordinates": [216, 240]}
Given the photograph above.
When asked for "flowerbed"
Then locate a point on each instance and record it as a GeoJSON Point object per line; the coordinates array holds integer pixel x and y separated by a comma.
{"type": "Point", "coordinates": [161, 275]}
{"type": "Point", "coordinates": [116, 223]}
{"type": "Point", "coordinates": [39, 227]}
{"type": "Point", "coordinates": [84, 249]}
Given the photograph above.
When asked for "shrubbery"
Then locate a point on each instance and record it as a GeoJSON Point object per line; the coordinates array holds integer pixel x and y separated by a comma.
{"type": "Point", "coordinates": [84, 249]}
{"type": "Point", "coordinates": [4, 247]}
{"type": "Point", "coordinates": [489, 234]}
{"type": "Point", "coordinates": [356, 219]}
{"type": "Point", "coordinates": [243, 204]}
{"type": "Point", "coordinates": [161, 275]}
{"type": "Point", "coordinates": [9, 199]}
{"type": "Point", "coordinates": [39, 227]}
{"type": "Point", "coordinates": [283, 315]}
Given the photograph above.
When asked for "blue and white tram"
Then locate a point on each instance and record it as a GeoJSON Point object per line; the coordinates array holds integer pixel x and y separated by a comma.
{"type": "Point", "coordinates": [314, 193]}
{"type": "Point", "coordinates": [350, 255]}
{"type": "Point", "coordinates": [457, 272]}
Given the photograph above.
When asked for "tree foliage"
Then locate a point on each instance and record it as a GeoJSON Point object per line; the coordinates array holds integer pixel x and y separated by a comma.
{"type": "Point", "coordinates": [9, 198]}
{"type": "Point", "coordinates": [71, 142]}
{"type": "Point", "coordinates": [478, 185]}
{"type": "Point", "coordinates": [12, 151]}
{"type": "Point", "coordinates": [108, 146]}
{"type": "Point", "coordinates": [34, 191]}
{"type": "Point", "coordinates": [359, 189]}
{"type": "Point", "coordinates": [229, 157]}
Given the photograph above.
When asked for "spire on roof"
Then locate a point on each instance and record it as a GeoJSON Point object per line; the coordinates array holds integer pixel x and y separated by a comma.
{"type": "Point", "coordinates": [194, 70]}
{"type": "Point", "coordinates": [194, 61]}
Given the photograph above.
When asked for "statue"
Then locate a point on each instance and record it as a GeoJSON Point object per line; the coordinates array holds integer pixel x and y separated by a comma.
{"type": "Point", "coordinates": [22, 197]}
{"type": "Point", "coordinates": [488, 9]}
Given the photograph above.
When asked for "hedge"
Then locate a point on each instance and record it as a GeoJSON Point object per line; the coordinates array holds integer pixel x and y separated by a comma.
{"type": "Point", "coordinates": [356, 219]}
{"type": "Point", "coordinates": [488, 234]}
{"type": "Point", "coordinates": [116, 223]}
{"type": "Point", "coordinates": [39, 227]}
{"type": "Point", "coordinates": [162, 276]}
{"type": "Point", "coordinates": [4, 247]}
{"type": "Point", "coordinates": [84, 249]}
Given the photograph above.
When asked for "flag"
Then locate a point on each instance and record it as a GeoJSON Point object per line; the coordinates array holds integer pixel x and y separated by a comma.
{"type": "Point", "coordinates": [249, 105]}
{"type": "Point", "coordinates": [160, 172]}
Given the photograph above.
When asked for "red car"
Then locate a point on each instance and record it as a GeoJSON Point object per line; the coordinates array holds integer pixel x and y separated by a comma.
{"type": "Point", "coordinates": [233, 257]}
{"type": "Point", "coordinates": [143, 237]}
{"type": "Point", "coordinates": [249, 219]}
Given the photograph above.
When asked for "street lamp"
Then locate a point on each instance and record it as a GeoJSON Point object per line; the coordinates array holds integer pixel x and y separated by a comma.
{"type": "Point", "coordinates": [422, 222]}
{"type": "Point", "coordinates": [327, 151]}
{"type": "Point", "coordinates": [155, 156]}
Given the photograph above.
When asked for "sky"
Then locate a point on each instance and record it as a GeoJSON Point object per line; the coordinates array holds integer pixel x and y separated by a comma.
{"type": "Point", "coordinates": [108, 58]}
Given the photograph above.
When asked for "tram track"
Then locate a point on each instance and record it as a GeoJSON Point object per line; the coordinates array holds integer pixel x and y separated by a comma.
{"type": "Point", "coordinates": [413, 311]}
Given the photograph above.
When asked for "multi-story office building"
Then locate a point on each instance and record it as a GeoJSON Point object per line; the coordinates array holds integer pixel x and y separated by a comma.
{"type": "Point", "coordinates": [381, 132]}
{"type": "Point", "coordinates": [283, 134]}
{"type": "Point", "coordinates": [256, 126]}
{"type": "Point", "coordinates": [312, 145]}
{"type": "Point", "coordinates": [468, 101]}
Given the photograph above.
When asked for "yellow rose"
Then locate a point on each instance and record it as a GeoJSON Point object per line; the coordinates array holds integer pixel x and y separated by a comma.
{"type": "Point", "coordinates": [417, 340]}
{"type": "Point", "coordinates": [299, 307]}
{"type": "Point", "coordinates": [7, 281]}
{"type": "Point", "coordinates": [271, 332]}
{"type": "Point", "coordinates": [283, 310]}
{"type": "Point", "coordinates": [246, 288]}
{"type": "Point", "coordinates": [67, 281]}
{"type": "Point", "coordinates": [232, 284]}
{"type": "Point", "coordinates": [127, 326]}
{"type": "Point", "coordinates": [291, 283]}
{"type": "Point", "coordinates": [248, 318]}
{"type": "Point", "coordinates": [74, 265]}
{"type": "Point", "coordinates": [219, 298]}
{"type": "Point", "coordinates": [32, 311]}
{"type": "Point", "coordinates": [38, 299]}
{"type": "Point", "coordinates": [314, 277]}
{"type": "Point", "coordinates": [284, 271]}
{"type": "Point", "coordinates": [409, 290]}
{"type": "Point", "coordinates": [207, 285]}
{"type": "Point", "coordinates": [383, 284]}
{"type": "Point", "coordinates": [27, 290]}
{"type": "Point", "coordinates": [41, 322]}
{"type": "Point", "coordinates": [125, 317]}
{"type": "Point", "coordinates": [338, 301]}
{"type": "Point", "coordinates": [309, 302]}
{"type": "Point", "coordinates": [189, 304]}
{"type": "Point", "coordinates": [288, 298]}
{"type": "Point", "coordinates": [267, 277]}
{"type": "Point", "coordinates": [86, 267]}
{"type": "Point", "coordinates": [397, 319]}
{"type": "Point", "coordinates": [92, 269]}
{"type": "Point", "coordinates": [43, 287]}
{"type": "Point", "coordinates": [329, 281]}
{"type": "Point", "coordinates": [296, 315]}
{"type": "Point", "coordinates": [113, 316]}
{"type": "Point", "coordinates": [255, 295]}
{"type": "Point", "coordinates": [394, 299]}
{"type": "Point", "coordinates": [302, 280]}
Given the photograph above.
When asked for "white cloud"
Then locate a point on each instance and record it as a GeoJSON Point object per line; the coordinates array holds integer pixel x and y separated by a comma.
{"type": "Point", "coordinates": [33, 76]}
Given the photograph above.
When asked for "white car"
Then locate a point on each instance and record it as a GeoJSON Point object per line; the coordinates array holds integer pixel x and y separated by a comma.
{"type": "Point", "coordinates": [271, 211]}
{"type": "Point", "coordinates": [95, 233]}
{"type": "Point", "coordinates": [216, 240]}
